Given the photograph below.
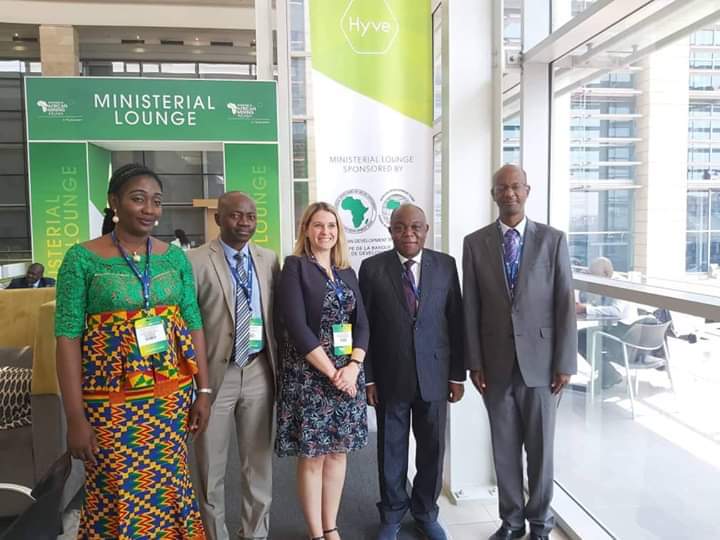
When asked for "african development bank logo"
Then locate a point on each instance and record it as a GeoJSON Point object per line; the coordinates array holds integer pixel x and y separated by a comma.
{"type": "Point", "coordinates": [52, 108]}
{"type": "Point", "coordinates": [242, 110]}
{"type": "Point", "coordinates": [357, 210]}
{"type": "Point", "coordinates": [390, 201]}
{"type": "Point", "coordinates": [369, 26]}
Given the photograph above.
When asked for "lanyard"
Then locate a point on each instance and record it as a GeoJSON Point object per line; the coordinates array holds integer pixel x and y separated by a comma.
{"type": "Point", "coordinates": [145, 278]}
{"type": "Point", "coordinates": [247, 288]}
{"type": "Point", "coordinates": [336, 285]}
{"type": "Point", "coordinates": [512, 268]}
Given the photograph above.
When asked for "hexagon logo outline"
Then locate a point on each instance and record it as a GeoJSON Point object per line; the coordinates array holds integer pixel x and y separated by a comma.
{"type": "Point", "coordinates": [392, 39]}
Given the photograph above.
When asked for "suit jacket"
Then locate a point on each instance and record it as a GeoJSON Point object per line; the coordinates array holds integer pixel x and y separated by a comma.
{"type": "Point", "coordinates": [213, 283]}
{"type": "Point", "coordinates": [299, 304]}
{"type": "Point", "coordinates": [408, 354]}
{"type": "Point", "coordinates": [538, 326]}
{"type": "Point", "coordinates": [21, 283]}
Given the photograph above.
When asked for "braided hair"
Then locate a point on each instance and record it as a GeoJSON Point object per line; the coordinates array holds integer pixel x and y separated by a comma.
{"type": "Point", "coordinates": [118, 180]}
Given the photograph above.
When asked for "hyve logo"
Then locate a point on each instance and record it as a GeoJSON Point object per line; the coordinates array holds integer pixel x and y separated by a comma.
{"type": "Point", "coordinates": [369, 26]}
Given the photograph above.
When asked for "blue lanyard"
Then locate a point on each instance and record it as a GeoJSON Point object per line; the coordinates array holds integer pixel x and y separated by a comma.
{"type": "Point", "coordinates": [336, 285]}
{"type": "Point", "coordinates": [247, 288]}
{"type": "Point", "coordinates": [512, 269]}
{"type": "Point", "coordinates": [145, 278]}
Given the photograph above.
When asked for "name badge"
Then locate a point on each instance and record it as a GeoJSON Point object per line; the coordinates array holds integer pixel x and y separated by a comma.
{"type": "Point", "coordinates": [342, 339]}
{"type": "Point", "coordinates": [151, 336]}
{"type": "Point", "coordinates": [256, 333]}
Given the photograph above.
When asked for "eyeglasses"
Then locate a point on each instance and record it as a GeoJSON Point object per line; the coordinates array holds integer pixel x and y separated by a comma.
{"type": "Point", "coordinates": [399, 228]}
{"type": "Point", "coordinates": [515, 188]}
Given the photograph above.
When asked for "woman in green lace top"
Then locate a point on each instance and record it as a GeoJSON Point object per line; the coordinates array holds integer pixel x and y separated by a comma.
{"type": "Point", "coordinates": [129, 342]}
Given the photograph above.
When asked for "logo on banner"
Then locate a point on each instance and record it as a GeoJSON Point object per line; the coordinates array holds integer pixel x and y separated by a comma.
{"type": "Point", "coordinates": [369, 26]}
{"type": "Point", "coordinates": [242, 110]}
{"type": "Point", "coordinates": [391, 200]}
{"type": "Point", "coordinates": [52, 108]}
{"type": "Point", "coordinates": [357, 209]}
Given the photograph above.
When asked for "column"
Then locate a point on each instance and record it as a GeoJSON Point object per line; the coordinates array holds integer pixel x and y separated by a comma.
{"type": "Point", "coordinates": [287, 227]}
{"type": "Point", "coordinates": [535, 100]}
{"type": "Point", "coordinates": [661, 202]}
{"type": "Point", "coordinates": [264, 39]}
{"type": "Point", "coordinates": [468, 140]}
{"type": "Point", "coordinates": [59, 50]}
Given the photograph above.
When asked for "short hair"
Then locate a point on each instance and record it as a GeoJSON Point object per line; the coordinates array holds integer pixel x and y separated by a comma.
{"type": "Point", "coordinates": [407, 205]}
{"type": "Point", "coordinates": [505, 167]}
{"type": "Point", "coordinates": [339, 255]}
{"type": "Point", "coordinates": [601, 266]}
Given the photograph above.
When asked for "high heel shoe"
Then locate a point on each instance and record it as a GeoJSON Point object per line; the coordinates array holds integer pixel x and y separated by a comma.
{"type": "Point", "coordinates": [335, 530]}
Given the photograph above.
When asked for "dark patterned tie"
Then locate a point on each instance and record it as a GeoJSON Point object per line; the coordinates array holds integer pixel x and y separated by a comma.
{"type": "Point", "coordinates": [511, 248]}
{"type": "Point", "coordinates": [409, 287]}
{"type": "Point", "coordinates": [241, 346]}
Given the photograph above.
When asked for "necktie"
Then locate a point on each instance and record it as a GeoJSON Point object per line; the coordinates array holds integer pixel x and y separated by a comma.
{"type": "Point", "coordinates": [409, 287]}
{"type": "Point", "coordinates": [511, 253]}
{"type": "Point", "coordinates": [241, 346]}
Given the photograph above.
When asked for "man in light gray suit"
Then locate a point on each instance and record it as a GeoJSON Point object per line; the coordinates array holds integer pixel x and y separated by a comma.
{"type": "Point", "coordinates": [234, 280]}
{"type": "Point", "coordinates": [521, 346]}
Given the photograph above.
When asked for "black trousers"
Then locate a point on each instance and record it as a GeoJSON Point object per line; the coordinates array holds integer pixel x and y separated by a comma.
{"type": "Point", "coordinates": [428, 420]}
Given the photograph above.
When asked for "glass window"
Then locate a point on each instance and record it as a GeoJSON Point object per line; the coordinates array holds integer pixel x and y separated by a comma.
{"type": "Point", "coordinates": [213, 162]}
{"type": "Point", "coordinates": [297, 78]}
{"type": "Point", "coordinates": [174, 162]}
{"type": "Point", "coordinates": [714, 210]}
{"type": "Point", "coordinates": [189, 219]}
{"type": "Point", "coordinates": [696, 252]}
{"type": "Point", "coordinates": [12, 189]}
{"type": "Point", "coordinates": [297, 25]}
{"type": "Point", "coordinates": [697, 210]}
{"type": "Point", "coordinates": [437, 62]}
{"type": "Point", "coordinates": [300, 156]}
{"type": "Point", "coordinates": [14, 235]}
{"type": "Point", "coordinates": [10, 99]}
{"type": "Point", "coordinates": [301, 198]}
{"type": "Point", "coordinates": [601, 225]}
{"type": "Point", "coordinates": [12, 159]}
{"type": "Point", "coordinates": [11, 127]}
{"type": "Point", "coordinates": [699, 130]}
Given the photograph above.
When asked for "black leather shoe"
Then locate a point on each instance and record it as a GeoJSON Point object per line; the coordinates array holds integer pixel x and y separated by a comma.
{"type": "Point", "coordinates": [534, 536]}
{"type": "Point", "coordinates": [506, 533]}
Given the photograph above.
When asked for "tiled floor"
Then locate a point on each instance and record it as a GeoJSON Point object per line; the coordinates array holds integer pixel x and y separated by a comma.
{"type": "Point", "coordinates": [475, 520]}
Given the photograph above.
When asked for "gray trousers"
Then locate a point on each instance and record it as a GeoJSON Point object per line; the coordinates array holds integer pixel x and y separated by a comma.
{"type": "Point", "coordinates": [245, 403]}
{"type": "Point", "coordinates": [522, 416]}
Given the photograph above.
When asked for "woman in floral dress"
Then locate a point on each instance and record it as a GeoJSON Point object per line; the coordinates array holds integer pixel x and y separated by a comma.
{"type": "Point", "coordinates": [322, 411]}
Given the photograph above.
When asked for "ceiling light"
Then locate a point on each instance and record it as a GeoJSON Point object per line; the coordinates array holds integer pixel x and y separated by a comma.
{"type": "Point", "coordinates": [138, 50]}
{"type": "Point", "coordinates": [19, 48]}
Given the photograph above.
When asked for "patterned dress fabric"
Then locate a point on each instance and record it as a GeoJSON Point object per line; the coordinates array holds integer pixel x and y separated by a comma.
{"type": "Point", "coordinates": [138, 407]}
{"type": "Point", "coordinates": [15, 408]}
{"type": "Point", "coordinates": [314, 417]}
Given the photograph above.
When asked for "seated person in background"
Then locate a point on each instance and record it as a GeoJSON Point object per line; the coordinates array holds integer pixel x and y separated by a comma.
{"type": "Point", "coordinates": [33, 279]}
{"type": "Point", "coordinates": [595, 306]}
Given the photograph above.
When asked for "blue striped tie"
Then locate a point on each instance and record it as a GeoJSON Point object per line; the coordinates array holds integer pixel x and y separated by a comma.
{"type": "Point", "coordinates": [241, 346]}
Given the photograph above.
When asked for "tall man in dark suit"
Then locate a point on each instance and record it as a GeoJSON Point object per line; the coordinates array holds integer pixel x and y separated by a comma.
{"type": "Point", "coordinates": [521, 346]}
{"type": "Point", "coordinates": [235, 279]}
{"type": "Point", "coordinates": [33, 279]}
{"type": "Point", "coordinates": [414, 366]}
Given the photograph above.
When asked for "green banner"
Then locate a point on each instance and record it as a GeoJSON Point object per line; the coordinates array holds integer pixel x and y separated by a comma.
{"type": "Point", "coordinates": [99, 171]}
{"type": "Point", "coordinates": [58, 200]}
{"type": "Point", "coordinates": [379, 48]}
{"type": "Point", "coordinates": [117, 109]}
{"type": "Point", "coordinates": [253, 169]}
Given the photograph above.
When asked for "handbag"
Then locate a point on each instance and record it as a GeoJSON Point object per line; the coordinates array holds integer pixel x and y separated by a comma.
{"type": "Point", "coordinates": [42, 520]}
